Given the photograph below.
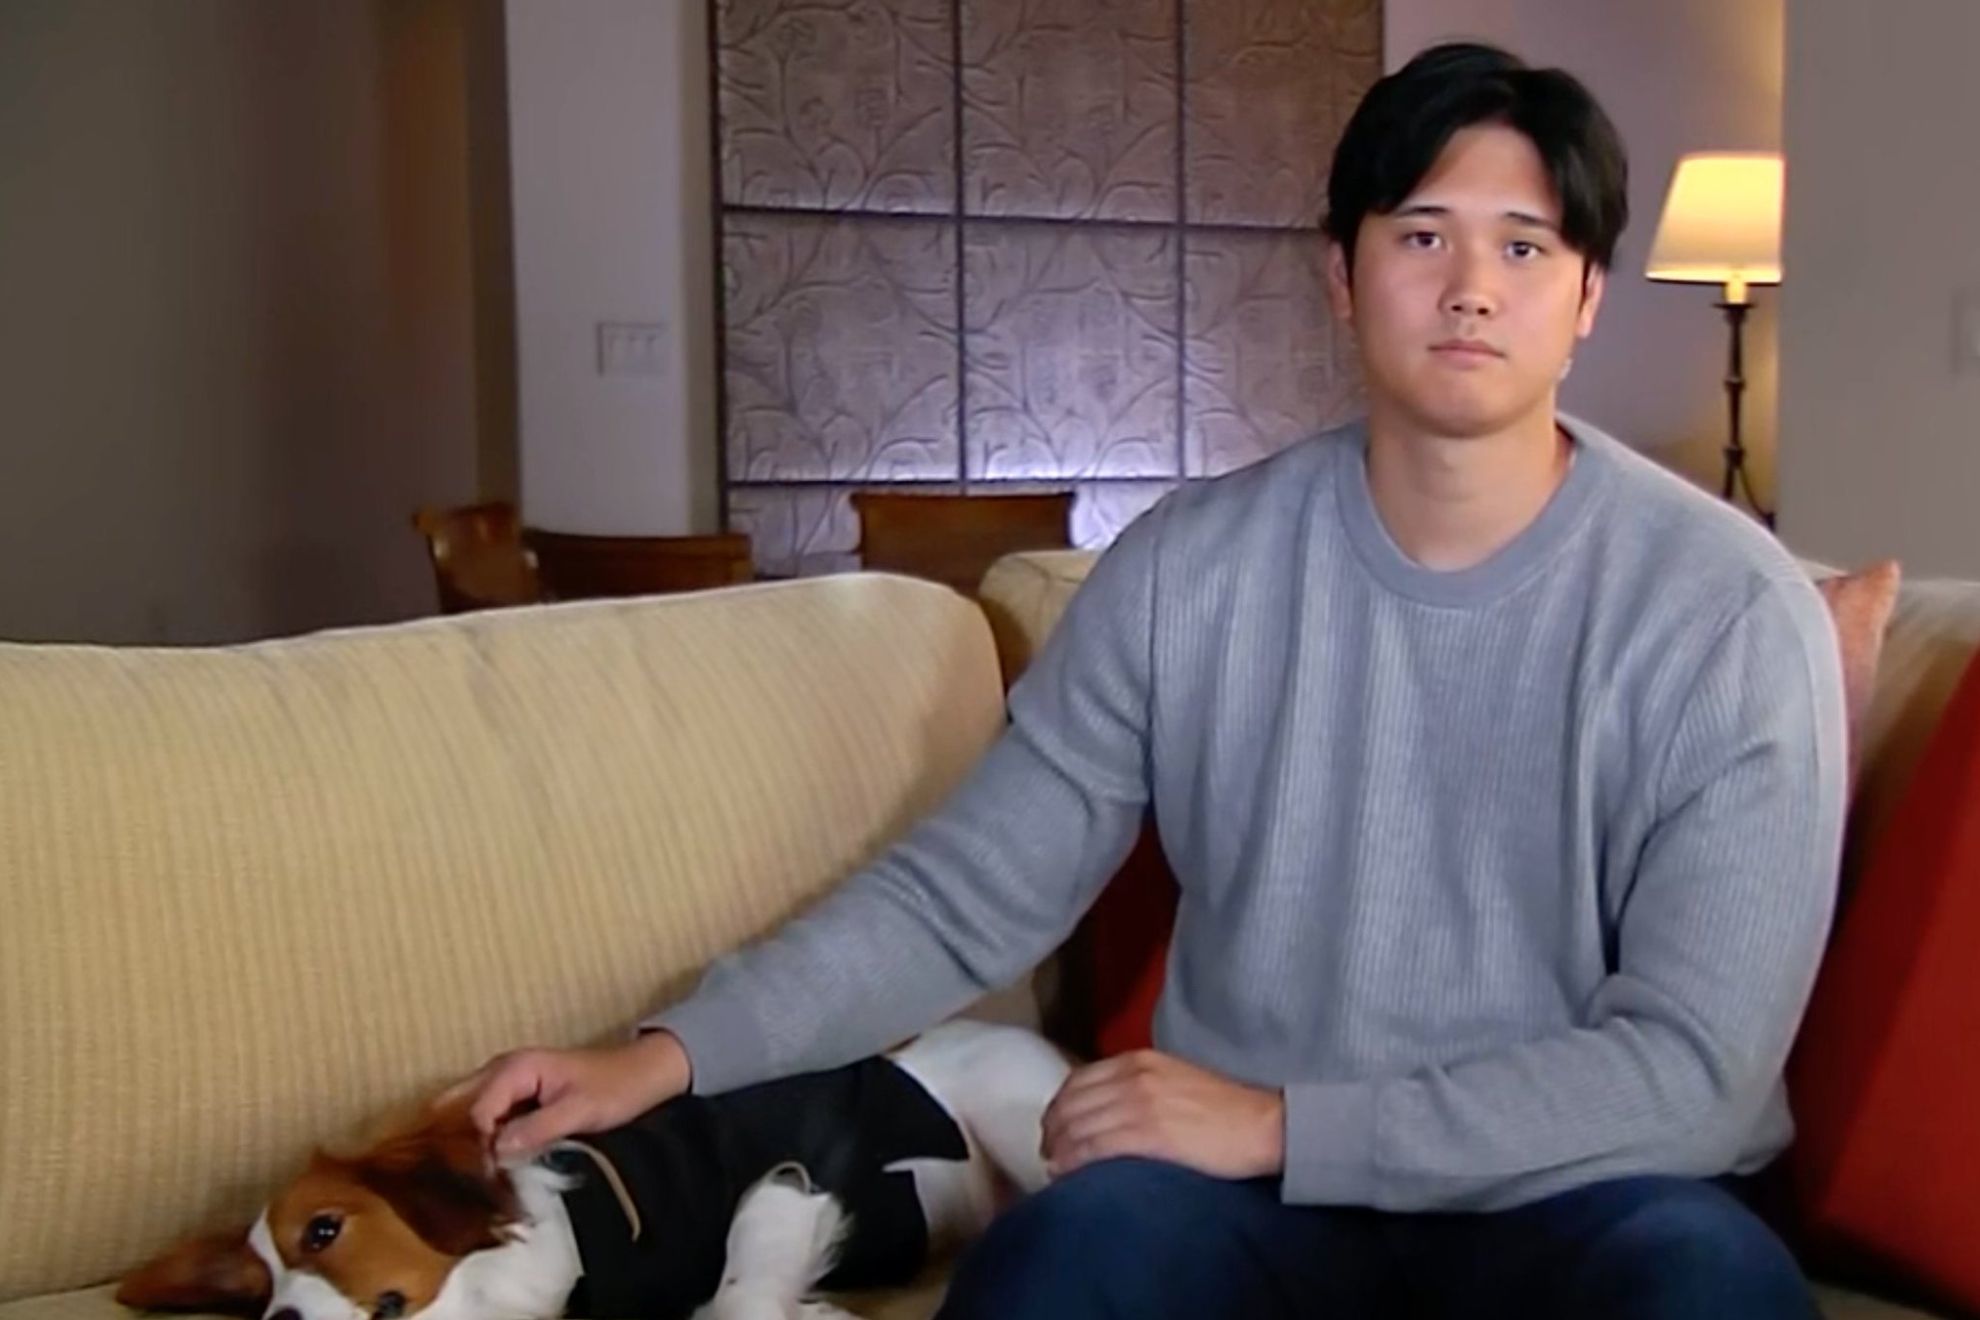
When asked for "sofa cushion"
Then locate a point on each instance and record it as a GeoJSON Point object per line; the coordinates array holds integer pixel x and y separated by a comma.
{"type": "Point", "coordinates": [256, 894]}
{"type": "Point", "coordinates": [1885, 1081]}
{"type": "Point", "coordinates": [917, 1303]}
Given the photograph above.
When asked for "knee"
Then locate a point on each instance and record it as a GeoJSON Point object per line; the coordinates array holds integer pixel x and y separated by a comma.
{"type": "Point", "coordinates": [1090, 1234]}
{"type": "Point", "coordinates": [1126, 1204]}
{"type": "Point", "coordinates": [1692, 1249]}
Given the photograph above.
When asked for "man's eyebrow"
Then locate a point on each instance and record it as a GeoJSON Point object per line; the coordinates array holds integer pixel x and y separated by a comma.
{"type": "Point", "coordinates": [1431, 209]}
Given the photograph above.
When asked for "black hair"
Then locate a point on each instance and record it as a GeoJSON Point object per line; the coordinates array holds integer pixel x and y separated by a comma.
{"type": "Point", "coordinates": [1405, 120]}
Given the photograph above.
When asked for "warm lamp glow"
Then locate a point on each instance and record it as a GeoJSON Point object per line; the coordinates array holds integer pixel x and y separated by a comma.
{"type": "Point", "coordinates": [1721, 222]}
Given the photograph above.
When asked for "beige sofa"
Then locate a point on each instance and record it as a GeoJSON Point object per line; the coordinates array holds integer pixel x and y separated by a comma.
{"type": "Point", "coordinates": [254, 894]}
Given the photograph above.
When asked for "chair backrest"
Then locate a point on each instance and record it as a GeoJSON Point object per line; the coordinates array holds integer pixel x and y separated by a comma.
{"type": "Point", "coordinates": [954, 538]}
{"type": "Point", "coordinates": [581, 566]}
{"type": "Point", "coordinates": [479, 559]}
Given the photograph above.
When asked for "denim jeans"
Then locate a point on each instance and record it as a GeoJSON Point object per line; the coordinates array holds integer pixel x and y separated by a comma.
{"type": "Point", "coordinates": [1143, 1240]}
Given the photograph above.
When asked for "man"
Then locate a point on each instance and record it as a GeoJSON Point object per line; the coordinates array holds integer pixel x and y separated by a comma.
{"type": "Point", "coordinates": [1502, 774]}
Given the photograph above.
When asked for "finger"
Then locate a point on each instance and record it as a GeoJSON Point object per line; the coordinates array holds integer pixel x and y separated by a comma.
{"type": "Point", "coordinates": [1090, 1147]}
{"type": "Point", "coordinates": [1084, 1080]}
{"type": "Point", "coordinates": [1065, 1144]}
{"type": "Point", "coordinates": [1098, 1083]}
{"type": "Point", "coordinates": [538, 1128]}
{"type": "Point", "coordinates": [461, 1090]}
{"type": "Point", "coordinates": [1107, 1097]}
{"type": "Point", "coordinates": [516, 1081]}
{"type": "Point", "coordinates": [1094, 1074]}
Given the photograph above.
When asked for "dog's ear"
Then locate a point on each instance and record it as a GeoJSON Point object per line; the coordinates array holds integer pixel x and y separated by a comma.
{"type": "Point", "coordinates": [439, 1178]}
{"type": "Point", "coordinates": [217, 1273]}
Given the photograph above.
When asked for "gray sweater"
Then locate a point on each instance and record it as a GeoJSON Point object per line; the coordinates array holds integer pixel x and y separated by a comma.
{"type": "Point", "coordinates": [1514, 878]}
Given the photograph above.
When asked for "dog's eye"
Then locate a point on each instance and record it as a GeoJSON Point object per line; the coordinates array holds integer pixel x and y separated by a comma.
{"type": "Point", "coordinates": [321, 1231]}
{"type": "Point", "coordinates": [391, 1305]}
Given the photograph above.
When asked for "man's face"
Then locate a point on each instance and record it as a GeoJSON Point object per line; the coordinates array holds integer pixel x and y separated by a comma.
{"type": "Point", "coordinates": [1465, 300]}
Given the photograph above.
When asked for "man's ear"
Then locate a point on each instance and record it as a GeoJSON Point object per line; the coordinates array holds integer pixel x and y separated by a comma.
{"type": "Point", "coordinates": [1340, 282]}
{"type": "Point", "coordinates": [438, 1177]}
{"type": "Point", "coordinates": [1594, 282]}
{"type": "Point", "coordinates": [217, 1273]}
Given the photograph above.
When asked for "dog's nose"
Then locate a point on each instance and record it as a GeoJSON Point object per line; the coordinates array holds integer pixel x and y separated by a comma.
{"type": "Point", "coordinates": [286, 1313]}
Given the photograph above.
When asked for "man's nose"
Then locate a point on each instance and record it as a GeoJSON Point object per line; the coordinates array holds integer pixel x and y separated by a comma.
{"type": "Point", "coordinates": [1470, 293]}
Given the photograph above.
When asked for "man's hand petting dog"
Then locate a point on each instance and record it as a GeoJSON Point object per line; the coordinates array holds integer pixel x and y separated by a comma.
{"type": "Point", "coordinates": [1156, 1106]}
{"type": "Point", "coordinates": [527, 1099]}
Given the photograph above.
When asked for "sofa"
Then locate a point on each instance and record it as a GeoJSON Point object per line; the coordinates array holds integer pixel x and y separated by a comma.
{"type": "Point", "coordinates": [256, 894]}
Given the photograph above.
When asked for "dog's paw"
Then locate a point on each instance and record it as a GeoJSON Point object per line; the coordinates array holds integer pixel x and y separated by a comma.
{"type": "Point", "coordinates": [784, 1238]}
{"type": "Point", "coordinates": [746, 1301]}
{"type": "Point", "coordinates": [785, 1234]}
{"type": "Point", "coordinates": [759, 1301]}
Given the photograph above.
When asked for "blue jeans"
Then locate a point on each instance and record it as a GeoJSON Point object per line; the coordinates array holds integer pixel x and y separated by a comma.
{"type": "Point", "coordinates": [1143, 1240]}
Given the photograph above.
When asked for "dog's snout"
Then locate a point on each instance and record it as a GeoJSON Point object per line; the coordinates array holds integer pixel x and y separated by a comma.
{"type": "Point", "coordinates": [286, 1313]}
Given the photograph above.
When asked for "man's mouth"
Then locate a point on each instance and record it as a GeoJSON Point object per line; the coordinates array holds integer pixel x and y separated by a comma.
{"type": "Point", "coordinates": [1466, 349]}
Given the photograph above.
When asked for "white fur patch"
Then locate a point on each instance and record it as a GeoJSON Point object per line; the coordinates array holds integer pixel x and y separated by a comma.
{"type": "Point", "coordinates": [784, 1238]}
{"type": "Point", "coordinates": [309, 1295]}
{"type": "Point", "coordinates": [995, 1081]}
{"type": "Point", "coordinates": [528, 1277]}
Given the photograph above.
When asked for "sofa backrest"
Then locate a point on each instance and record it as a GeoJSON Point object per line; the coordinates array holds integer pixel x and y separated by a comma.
{"type": "Point", "coordinates": [253, 895]}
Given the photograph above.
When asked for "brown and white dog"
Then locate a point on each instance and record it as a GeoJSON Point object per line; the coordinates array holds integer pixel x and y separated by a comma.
{"type": "Point", "coordinates": [739, 1207]}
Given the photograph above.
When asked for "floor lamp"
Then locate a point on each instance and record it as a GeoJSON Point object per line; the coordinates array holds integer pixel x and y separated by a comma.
{"type": "Point", "coordinates": [1722, 225]}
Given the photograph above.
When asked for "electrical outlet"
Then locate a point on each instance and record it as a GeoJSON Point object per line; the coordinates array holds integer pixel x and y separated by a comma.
{"type": "Point", "coordinates": [626, 349]}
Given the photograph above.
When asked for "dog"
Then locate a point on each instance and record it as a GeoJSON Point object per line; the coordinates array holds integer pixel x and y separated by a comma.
{"type": "Point", "coordinates": [738, 1207]}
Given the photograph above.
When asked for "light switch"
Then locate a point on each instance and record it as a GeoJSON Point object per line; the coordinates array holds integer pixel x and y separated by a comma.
{"type": "Point", "coordinates": [628, 349]}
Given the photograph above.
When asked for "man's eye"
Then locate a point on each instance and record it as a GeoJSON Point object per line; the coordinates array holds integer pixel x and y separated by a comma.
{"type": "Point", "coordinates": [1521, 250]}
{"type": "Point", "coordinates": [321, 1231]}
{"type": "Point", "coordinates": [1420, 238]}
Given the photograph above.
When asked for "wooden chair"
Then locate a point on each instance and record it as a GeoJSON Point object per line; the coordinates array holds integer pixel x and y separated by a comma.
{"type": "Point", "coordinates": [479, 559]}
{"type": "Point", "coordinates": [954, 538]}
{"type": "Point", "coordinates": [578, 565]}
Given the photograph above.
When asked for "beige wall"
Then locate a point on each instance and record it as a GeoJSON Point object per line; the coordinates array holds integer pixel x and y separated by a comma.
{"type": "Point", "coordinates": [1676, 76]}
{"type": "Point", "coordinates": [237, 342]}
{"type": "Point", "coordinates": [1883, 191]}
{"type": "Point", "coordinates": [609, 138]}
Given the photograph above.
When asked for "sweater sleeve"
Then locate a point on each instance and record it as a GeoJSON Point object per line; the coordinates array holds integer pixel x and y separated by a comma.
{"type": "Point", "coordinates": [977, 893]}
{"type": "Point", "coordinates": [1715, 955]}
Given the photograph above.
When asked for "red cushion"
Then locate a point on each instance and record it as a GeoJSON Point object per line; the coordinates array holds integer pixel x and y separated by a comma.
{"type": "Point", "coordinates": [1125, 945]}
{"type": "Point", "coordinates": [1885, 1080]}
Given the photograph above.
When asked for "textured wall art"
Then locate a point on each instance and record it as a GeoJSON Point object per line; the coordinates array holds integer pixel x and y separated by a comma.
{"type": "Point", "coordinates": [1019, 244]}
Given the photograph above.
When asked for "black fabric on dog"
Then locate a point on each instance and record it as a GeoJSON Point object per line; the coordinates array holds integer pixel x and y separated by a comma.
{"type": "Point", "coordinates": [687, 1164]}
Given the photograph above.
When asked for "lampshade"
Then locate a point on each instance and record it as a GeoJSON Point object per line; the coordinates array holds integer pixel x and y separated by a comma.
{"type": "Point", "coordinates": [1721, 222]}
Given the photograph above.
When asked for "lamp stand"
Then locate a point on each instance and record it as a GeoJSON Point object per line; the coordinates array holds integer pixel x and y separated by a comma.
{"type": "Point", "coordinates": [1736, 477]}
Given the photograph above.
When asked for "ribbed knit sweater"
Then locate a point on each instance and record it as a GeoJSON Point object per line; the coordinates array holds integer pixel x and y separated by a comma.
{"type": "Point", "coordinates": [1514, 878]}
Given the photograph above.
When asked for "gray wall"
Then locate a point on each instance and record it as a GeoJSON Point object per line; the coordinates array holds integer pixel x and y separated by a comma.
{"type": "Point", "coordinates": [608, 119]}
{"type": "Point", "coordinates": [238, 340]}
{"type": "Point", "coordinates": [1883, 190]}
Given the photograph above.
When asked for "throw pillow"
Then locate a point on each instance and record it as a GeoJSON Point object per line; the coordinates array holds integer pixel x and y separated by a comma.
{"type": "Point", "coordinates": [1860, 604]}
{"type": "Point", "coordinates": [1885, 1080]}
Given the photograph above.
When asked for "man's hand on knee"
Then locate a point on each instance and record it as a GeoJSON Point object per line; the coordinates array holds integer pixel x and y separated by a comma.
{"type": "Point", "coordinates": [1156, 1106]}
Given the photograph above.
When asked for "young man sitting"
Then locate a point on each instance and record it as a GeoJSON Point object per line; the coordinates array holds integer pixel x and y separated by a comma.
{"type": "Point", "coordinates": [1503, 777]}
